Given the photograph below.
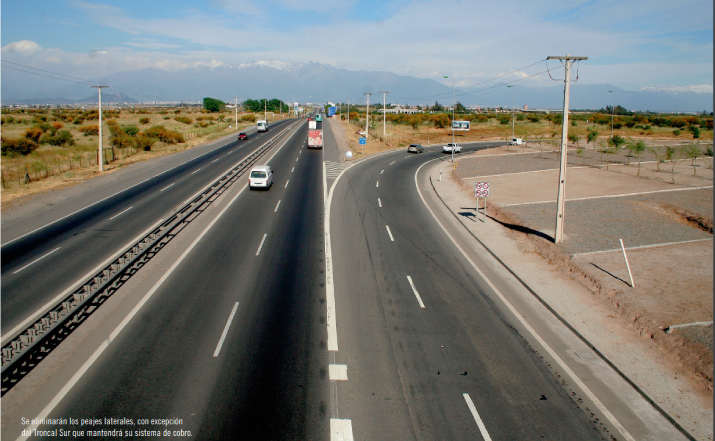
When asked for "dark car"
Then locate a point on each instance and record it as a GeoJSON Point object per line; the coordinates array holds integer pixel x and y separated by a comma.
{"type": "Point", "coordinates": [415, 148]}
{"type": "Point", "coordinates": [242, 136]}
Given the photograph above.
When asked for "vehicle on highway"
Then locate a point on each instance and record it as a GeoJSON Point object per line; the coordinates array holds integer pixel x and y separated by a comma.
{"type": "Point", "coordinates": [516, 141]}
{"type": "Point", "coordinates": [415, 148]}
{"type": "Point", "coordinates": [261, 177]}
{"type": "Point", "coordinates": [451, 148]}
{"type": "Point", "coordinates": [242, 136]}
{"type": "Point", "coordinates": [262, 125]}
{"type": "Point", "coordinates": [318, 117]}
{"type": "Point", "coordinates": [315, 139]}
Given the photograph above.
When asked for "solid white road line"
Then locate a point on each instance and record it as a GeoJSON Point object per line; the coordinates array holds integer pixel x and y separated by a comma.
{"type": "Point", "coordinates": [277, 205]}
{"type": "Point", "coordinates": [577, 380]}
{"type": "Point", "coordinates": [286, 186]}
{"type": "Point", "coordinates": [196, 171]}
{"type": "Point", "coordinates": [36, 260]}
{"type": "Point", "coordinates": [389, 232]}
{"type": "Point", "coordinates": [655, 245]}
{"type": "Point", "coordinates": [414, 290]}
{"type": "Point", "coordinates": [121, 213]}
{"type": "Point", "coordinates": [477, 418]}
{"type": "Point", "coordinates": [377, 184]}
{"type": "Point", "coordinates": [87, 364]}
{"type": "Point", "coordinates": [615, 195]}
{"type": "Point", "coordinates": [261, 245]}
{"type": "Point", "coordinates": [341, 430]}
{"type": "Point", "coordinates": [291, 170]}
{"type": "Point", "coordinates": [338, 372]}
{"type": "Point", "coordinates": [392, 162]}
{"type": "Point", "coordinates": [225, 330]}
{"type": "Point", "coordinates": [379, 202]}
{"type": "Point", "coordinates": [167, 187]}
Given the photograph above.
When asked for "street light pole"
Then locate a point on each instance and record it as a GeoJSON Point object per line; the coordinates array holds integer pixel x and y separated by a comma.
{"type": "Point", "coordinates": [101, 146]}
{"type": "Point", "coordinates": [384, 123]}
{"type": "Point", "coordinates": [559, 231]}
{"type": "Point", "coordinates": [613, 110]}
{"type": "Point", "coordinates": [236, 99]}
{"type": "Point", "coordinates": [513, 112]}
{"type": "Point", "coordinates": [265, 111]}
{"type": "Point", "coordinates": [454, 105]}
{"type": "Point", "coordinates": [367, 114]}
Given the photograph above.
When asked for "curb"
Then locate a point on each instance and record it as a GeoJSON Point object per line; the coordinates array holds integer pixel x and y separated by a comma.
{"type": "Point", "coordinates": [655, 405]}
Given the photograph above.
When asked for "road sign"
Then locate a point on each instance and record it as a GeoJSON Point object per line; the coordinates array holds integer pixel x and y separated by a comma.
{"type": "Point", "coordinates": [331, 111]}
{"type": "Point", "coordinates": [481, 189]}
{"type": "Point", "coordinates": [460, 125]}
{"type": "Point", "coordinates": [363, 140]}
{"type": "Point", "coordinates": [349, 154]}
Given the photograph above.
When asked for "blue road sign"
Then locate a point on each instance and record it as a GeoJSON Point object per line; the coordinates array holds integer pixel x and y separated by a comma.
{"type": "Point", "coordinates": [363, 140]}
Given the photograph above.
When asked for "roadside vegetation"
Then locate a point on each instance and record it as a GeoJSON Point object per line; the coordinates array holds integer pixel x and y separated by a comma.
{"type": "Point", "coordinates": [60, 145]}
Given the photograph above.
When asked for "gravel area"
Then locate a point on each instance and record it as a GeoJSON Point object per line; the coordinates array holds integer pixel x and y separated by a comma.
{"type": "Point", "coordinates": [598, 224]}
{"type": "Point", "coordinates": [701, 336]}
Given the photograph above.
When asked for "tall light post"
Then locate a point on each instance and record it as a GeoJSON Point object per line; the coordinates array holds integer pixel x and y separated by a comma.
{"type": "Point", "coordinates": [101, 146]}
{"type": "Point", "coordinates": [613, 110]}
{"type": "Point", "coordinates": [265, 111]}
{"type": "Point", "coordinates": [454, 105]}
{"type": "Point", "coordinates": [367, 114]}
{"type": "Point", "coordinates": [513, 112]}
{"type": "Point", "coordinates": [384, 123]}
{"type": "Point", "coordinates": [236, 99]}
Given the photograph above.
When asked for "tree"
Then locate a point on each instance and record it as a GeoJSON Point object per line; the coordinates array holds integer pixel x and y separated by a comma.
{"type": "Point", "coordinates": [437, 107]}
{"type": "Point", "coordinates": [574, 138]}
{"type": "Point", "coordinates": [692, 151]}
{"type": "Point", "coordinates": [671, 154]}
{"type": "Point", "coordinates": [592, 136]}
{"type": "Point", "coordinates": [459, 107]}
{"type": "Point", "coordinates": [616, 141]}
{"type": "Point", "coordinates": [658, 153]}
{"type": "Point", "coordinates": [639, 148]}
{"type": "Point", "coordinates": [213, 105]}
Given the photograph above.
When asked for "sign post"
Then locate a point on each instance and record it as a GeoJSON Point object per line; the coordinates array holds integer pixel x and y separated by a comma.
{"type": "Point", "coordinates": [481, 190]}
{"type": "Point", "coordinates": [363, 141]}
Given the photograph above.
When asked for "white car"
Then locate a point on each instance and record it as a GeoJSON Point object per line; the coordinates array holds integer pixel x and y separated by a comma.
{"type": "Point", "coordinates": [261, 177]}
{"type": "Point", "coordinates": [451, 148]}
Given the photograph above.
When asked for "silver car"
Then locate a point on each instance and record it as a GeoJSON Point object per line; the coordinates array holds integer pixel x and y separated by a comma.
{"type": "Point", "coordinates": [451, 148]}
{"type": "Point", "coordinates": [415, 148]}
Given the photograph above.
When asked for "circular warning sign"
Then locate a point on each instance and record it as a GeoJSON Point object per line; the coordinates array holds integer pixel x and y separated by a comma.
{"type": "Point", "coordinates": [481, 189]}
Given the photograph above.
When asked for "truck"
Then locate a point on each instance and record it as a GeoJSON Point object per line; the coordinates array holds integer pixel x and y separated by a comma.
{"type": "Point", "coordinates": [315, 139]}
{"type": "Point", "coordinates": [262, 125]}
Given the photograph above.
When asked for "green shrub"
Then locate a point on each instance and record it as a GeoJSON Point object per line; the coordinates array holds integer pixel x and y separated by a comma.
{"type": "Point", "coordinates": [17, 146]}
{"type": "Point", "coordinates": [617, 125]}
{"type": "Point", "coordinates": [90, 130]}
{"type": "Point", "coordinates": [252, 117]}
{"type": "Point", "coordinates": [145, 120]}
{"type": "Point", "coordinates": [130, 130]}
{"type": "Point", "coordinates": [145, 142]}
{"type": "Point", "coordinates": [183, 119]}
{"type": "Point", "coordinates": [59, 138]}
{"type": "Point", "coordinates": [695, 130]}
{"type": "Point", "coordinates": [504, 119]}
{"type": "Point", "coordinates": [520, 117]}
{"type": "Point", "coordinates": [164, 134]}
{"type": "Point", "coordinates": [33, 133]}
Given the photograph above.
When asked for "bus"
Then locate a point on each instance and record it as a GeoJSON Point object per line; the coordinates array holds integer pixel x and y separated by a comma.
{"type": "Point", "coordinates": [318, 117]}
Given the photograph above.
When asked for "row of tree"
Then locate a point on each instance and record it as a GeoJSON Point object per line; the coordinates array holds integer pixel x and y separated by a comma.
{"type": "Point", "coordinates": [273, 105]}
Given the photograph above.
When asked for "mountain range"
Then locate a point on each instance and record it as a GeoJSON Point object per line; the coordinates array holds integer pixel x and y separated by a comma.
{"type": "Point", "coordinates": [318, 83]}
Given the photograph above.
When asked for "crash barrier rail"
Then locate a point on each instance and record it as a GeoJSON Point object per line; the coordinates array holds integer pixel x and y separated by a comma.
{"type": "Point", "coordinates": [24, 351]}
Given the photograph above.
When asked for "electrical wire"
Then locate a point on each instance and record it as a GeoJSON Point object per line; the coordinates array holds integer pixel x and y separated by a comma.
{"type": "Point", "coordinates": [83, 81]}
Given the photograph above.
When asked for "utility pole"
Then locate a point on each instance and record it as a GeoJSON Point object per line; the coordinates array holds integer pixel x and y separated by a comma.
{"type": "Point", "coordinates": [367, 114]}
{"type": "Point", "coordinates": [559, 232]}
{"type": "Point", "coordinates": [613, 110]}
{"type": "Point", "coordinates": [454, 105]}
{"type": "Point", "coordinates": [513, 111]}
{"type": "Point", "coordinates": [265, 110]}
{"type": "Point", "coordinates": [236, 99]}
{"type": "Point", "coordinates": [101, 147]}
{"type": "Point", "coordinates": [384, 123]}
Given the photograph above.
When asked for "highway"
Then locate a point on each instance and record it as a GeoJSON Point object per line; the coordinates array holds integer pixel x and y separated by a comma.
{"type": "Point", "coordinates": [264, 319]}
{"type": "Point", "coordinates": [44, 255]}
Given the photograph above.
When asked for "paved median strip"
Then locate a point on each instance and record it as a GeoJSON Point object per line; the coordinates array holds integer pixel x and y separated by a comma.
{"type": "Point", "coordinates": [225, 330]}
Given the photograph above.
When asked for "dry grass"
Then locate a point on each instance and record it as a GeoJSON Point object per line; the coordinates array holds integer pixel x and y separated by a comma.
{"type": "Point", "coordinates": [53, 167]}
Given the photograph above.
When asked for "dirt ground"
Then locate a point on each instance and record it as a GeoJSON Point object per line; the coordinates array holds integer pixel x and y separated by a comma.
{"type": "Point", "coordinates": [671, 256]}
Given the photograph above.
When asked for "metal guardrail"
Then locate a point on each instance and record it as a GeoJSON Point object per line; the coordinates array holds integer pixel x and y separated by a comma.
{"type": "Point", "coordinates": [30, 346]}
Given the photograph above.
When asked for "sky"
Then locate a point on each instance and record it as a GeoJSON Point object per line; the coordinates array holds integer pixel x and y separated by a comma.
{"type": "Point", "coordinates": [629, 44]}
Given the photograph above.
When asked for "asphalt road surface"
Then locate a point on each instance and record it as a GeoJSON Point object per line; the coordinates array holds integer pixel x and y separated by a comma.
{"type": "Point", "coordinates": [38, 265]}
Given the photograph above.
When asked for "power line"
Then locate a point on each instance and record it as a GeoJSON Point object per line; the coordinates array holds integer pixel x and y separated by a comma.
{"type": "Point", "coordinates": [83, 81]}
{"type": "Point", "coordinates": [445, 94]}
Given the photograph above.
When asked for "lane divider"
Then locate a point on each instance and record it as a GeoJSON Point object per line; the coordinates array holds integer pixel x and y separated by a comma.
{"type": "Point", "coordinates": [225, 330]}
{"type": "Point", "coordinates": [196, 171]}
{"type": "Point", "coordinates": [261, 245]}
{"type": "Point", "coordinates": [389, 232]}
{"type": "Point", "coordinates": [117, 215]}
{"type": "Point", "coordinates": [414, 290]}
{"type": "Point", "coordinates": [477, 418]}
{"type": "Point", "coordinates": [379, 203]}
{"type": "Point", "coordinates": [277, 205]}
{"type": "Point", "coordinates": [169, 186]}
{"type": "Point", "coordinates": [36, 260]}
